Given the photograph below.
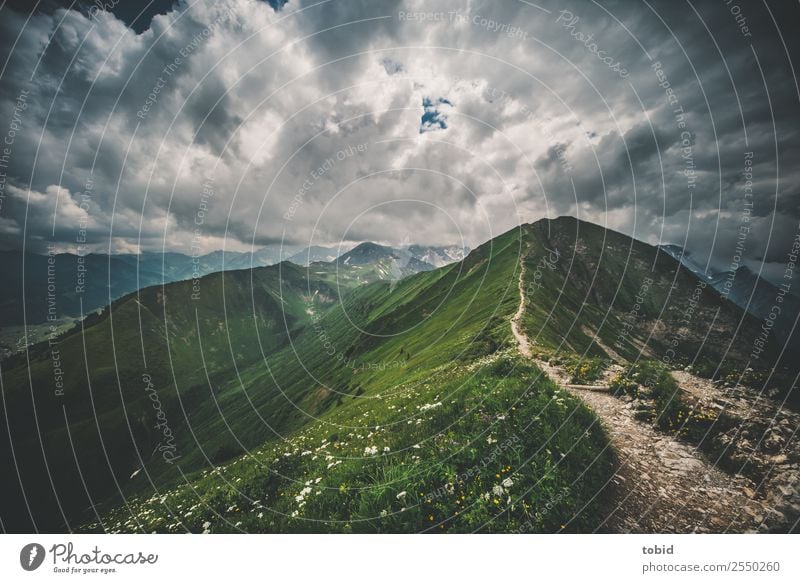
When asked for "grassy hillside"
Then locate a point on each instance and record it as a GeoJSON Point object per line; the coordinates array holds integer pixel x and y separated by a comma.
{"type": "Point", "coordinates": [418, 416]}
{"type": "Point", "coordinates": [597, 293]}
{"type": "Point", "coordinates": [596, 298]}
{"type": "Point", "coordinates": [289, 399]}
{"type": "Point", "coordinates": [132, 379]}
{"type": "Point", "coordinates": [269, 360]}
{"type": "Point", "coordinates": [469, 448]}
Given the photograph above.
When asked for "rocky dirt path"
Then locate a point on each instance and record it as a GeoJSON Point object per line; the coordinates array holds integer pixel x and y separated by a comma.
{"type": "Point", "coordinates": [660, 485]}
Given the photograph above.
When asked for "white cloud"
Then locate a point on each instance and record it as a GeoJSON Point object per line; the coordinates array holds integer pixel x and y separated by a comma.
{"type": "Point", "coordinates": [260, 99]}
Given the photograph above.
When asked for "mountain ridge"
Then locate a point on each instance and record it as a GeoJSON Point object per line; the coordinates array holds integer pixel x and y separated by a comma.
{"type": "Point", "coordinates": [273, 354]}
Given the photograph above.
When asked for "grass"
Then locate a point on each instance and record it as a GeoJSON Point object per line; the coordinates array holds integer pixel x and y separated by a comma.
{"type": "Point", "coordinates": [456, 435]}
{"type": "Point", "coordinates": [472, 448]}
{"type": "Point", "coordinates": [276, 362]}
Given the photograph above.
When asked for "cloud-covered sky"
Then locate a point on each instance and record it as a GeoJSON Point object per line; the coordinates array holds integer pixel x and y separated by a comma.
{"type": "Point", "coordinates": [239, 123]}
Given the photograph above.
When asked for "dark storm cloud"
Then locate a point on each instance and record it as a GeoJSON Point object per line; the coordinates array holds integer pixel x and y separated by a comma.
{"type": "Point", "coordinates": [699, 136]}
{"type": "Point", "coordinates": [210, 110]}
{"type": "Point", "coordinates": [350, 26]}
{"type": "Point", "coordinates": [137, 15]}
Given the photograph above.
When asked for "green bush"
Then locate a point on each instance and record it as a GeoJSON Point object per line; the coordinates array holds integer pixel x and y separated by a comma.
{"type": "Point", "coordinates": [585, 371]}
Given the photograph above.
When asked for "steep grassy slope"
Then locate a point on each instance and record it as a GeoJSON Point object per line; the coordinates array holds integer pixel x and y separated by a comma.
{"type": "Point", "coordinates": [306, 399]}
{"type": "Point", "coordinates": [470, 448]}
{"type": "Point", "coordinates": [290, 399]}
{"type": "Point", "coordinates": [129, 381]}
{"type": "Point", "coordinates": [418, 416]}
{"type": "Point", "coordinates": [607, 310]}
{"type": "Point", "coordinates": [595, 297]}
{"type": "Point", "coordinates": [584, 282]}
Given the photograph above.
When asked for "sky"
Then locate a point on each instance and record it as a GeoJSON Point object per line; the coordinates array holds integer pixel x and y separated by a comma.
{"type": "Point", "coordinates": [233, 124]}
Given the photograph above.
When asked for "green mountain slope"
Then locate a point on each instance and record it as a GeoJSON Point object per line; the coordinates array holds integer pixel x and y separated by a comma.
{"type": "Point", "coordinates": [420, 417]}
{"type": "Point", "coordinates": [598, 293]}
{"type": "Point", "coordinates": [306, 399]}
{"type": "Point", "coordinates": [256, 365]}
{"type": "Point", "coordinates": [149, 360]}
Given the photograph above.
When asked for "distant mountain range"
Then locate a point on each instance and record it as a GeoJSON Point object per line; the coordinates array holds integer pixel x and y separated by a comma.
{"type": "Point", "coordinates": [313, 254]}
{"type": "Point", "coordinates": [386, 262]}
{"type": "Point", "coordinates": [750, 292]}
{"type": "Point", "coordinates": [67, 285]}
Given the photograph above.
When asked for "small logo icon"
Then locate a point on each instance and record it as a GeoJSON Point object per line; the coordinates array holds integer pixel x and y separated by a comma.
{"type": "Point", "coordinates": [31, 556]}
